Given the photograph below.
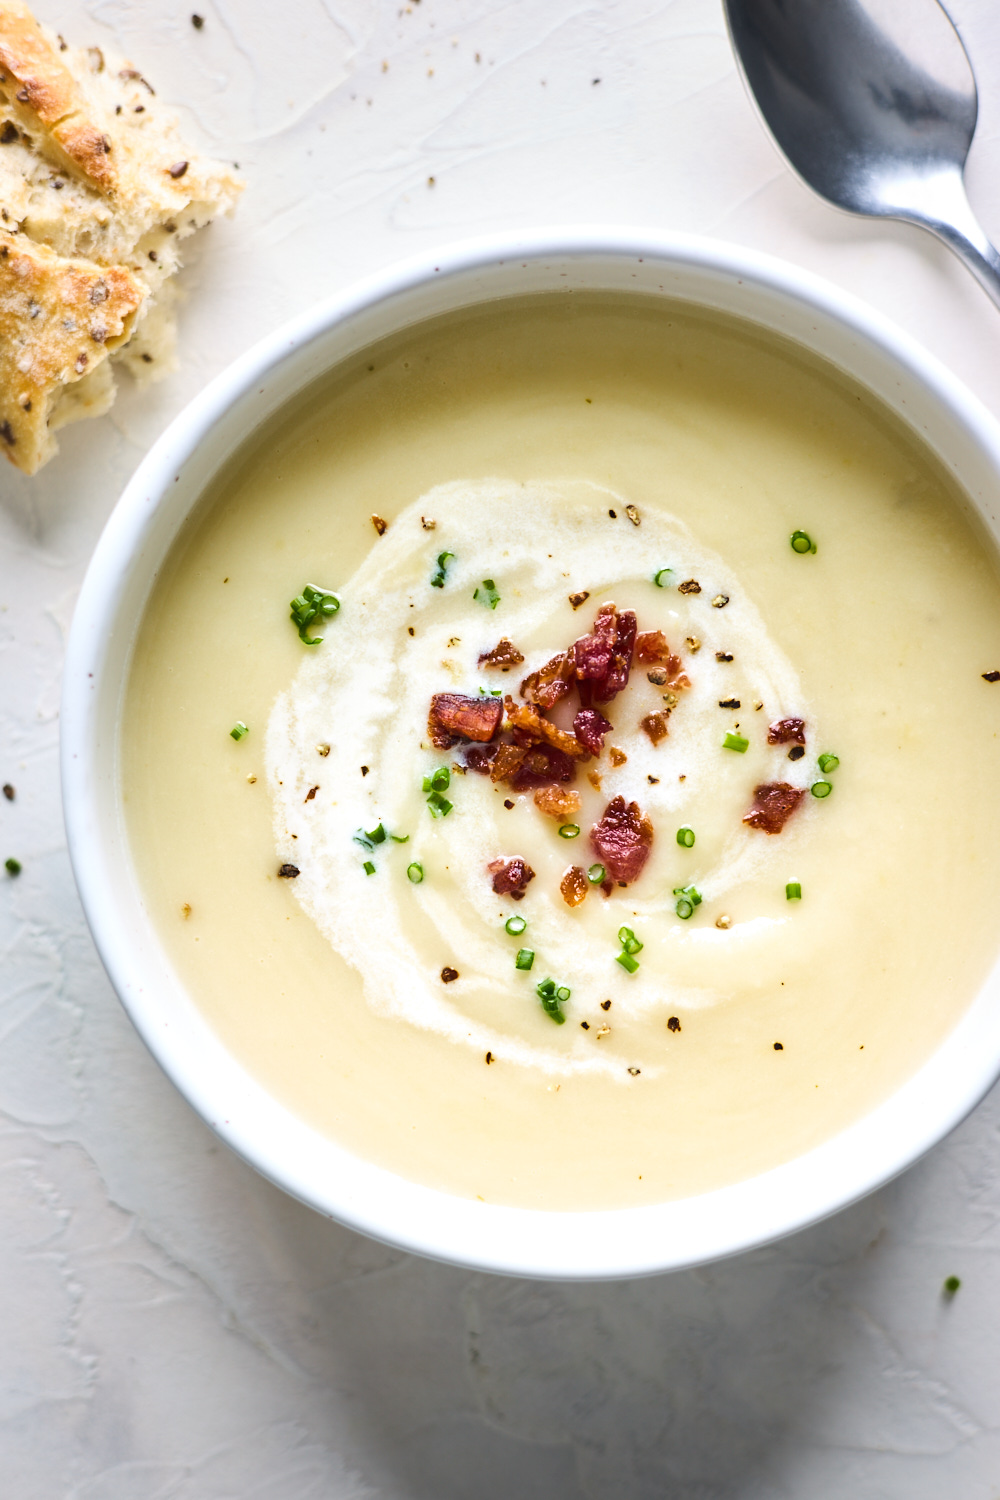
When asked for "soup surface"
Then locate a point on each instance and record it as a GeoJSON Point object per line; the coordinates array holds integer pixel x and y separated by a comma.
{"type": "Point", "coordinates": [347, 900]}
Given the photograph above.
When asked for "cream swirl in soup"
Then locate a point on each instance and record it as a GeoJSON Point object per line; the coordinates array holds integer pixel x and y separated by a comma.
{"type": "Point", "coordinates": [404, 912]}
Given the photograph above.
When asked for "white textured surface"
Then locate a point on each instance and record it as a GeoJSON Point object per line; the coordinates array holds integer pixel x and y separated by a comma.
{"type": "Point", "coordinates": [172, 1327]}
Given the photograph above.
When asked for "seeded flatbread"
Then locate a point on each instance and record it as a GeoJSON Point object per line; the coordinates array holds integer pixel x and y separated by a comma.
{"type": "Point", "coordinates": [97, 190]}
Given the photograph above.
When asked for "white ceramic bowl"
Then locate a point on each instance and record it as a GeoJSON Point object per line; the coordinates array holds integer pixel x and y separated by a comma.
{"type": "Point", "coordinates": [614, 1243]}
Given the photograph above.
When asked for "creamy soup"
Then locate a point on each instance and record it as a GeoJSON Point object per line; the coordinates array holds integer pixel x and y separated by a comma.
{"type": "Point", "coordinates": [631, 955]}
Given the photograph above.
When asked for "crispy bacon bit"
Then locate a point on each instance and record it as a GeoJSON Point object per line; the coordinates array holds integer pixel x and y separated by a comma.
{"type": "Point", "coordinates": [651, 645]}
{"type": "Point", "coordinates": [551, 682]}
{"type": "Point", "coordinates": [556, 803]}
{"type": "Point", "coordinates": [577, 599]}
{"type": "Point", "coordinates": [622, 839]}
{"type": "Point", "coordinates": [479, 757]}
{"type": "Point", "coordinates": [511, 877]}
{"type": "Point", "coordinates": [507, 760]}
{"type": "Point", "coordinates": [454, 716]}
{"type": "Point", "coordinates": [529, 723]}
{"type": "Point", "coordinates": [543, 765]}
{"type": "Point", "coordinates": [616, 756]}
{"type": "Point", "coordinates": [504, 655]}
{"type": "Point", "coordinates": [380, 526]}
{"type": "Point", "coordinates": [288, 872]}
{"type": "Point", "coordinates": [590, 726]}
{"type": "Point", "coordinates": [773, 805]}
{"type": "Point", "coordinates": [604, 659]}
{"type": "Point", "coordinates": [787, 732]}
{"type": "Point", "coordinates": [691, 586]}
{"type": "Point", "coordinates": [595, 780]}
{"type": "Point", "coordinates": [448, 975]}
{"type": "Point", "coordinates": [655, 725]}
{"type": "Point", "coordinates": [573, 885]}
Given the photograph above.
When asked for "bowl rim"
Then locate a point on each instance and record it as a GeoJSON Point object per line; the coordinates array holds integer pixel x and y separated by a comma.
{"type": "Point", "coordinates": [592, 1245]}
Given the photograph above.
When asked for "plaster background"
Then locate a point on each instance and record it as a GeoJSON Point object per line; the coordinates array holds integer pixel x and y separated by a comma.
{"type": "Point", "coordinates": [174, 1328]}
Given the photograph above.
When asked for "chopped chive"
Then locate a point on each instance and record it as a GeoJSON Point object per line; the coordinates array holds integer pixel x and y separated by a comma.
{"type": "Point", "coordinates": [735, 742]}
{"type": "Point", "coordinates": [369, 867]}
{"type": "Point", "coordinates": [802, 542]}
{"type": "Point", "coordinates": [440, 806]}
{"type": "Point", "coordinates": [313, 603]}
{"type": "Point", "coordinates": [821, 788]}
{"type": "Point", "coordinates": [688, 897]}
{"type": "Point", "coordinates": [238, 730]}
{"type": "Point", "coordinates": [662, 578]}
{"type": "Point", "coordinates": [569, 831]}
{"type": "Point", "coordinates": [551, 998]}
{"type": "Point", "coordinates": [515, 926]}
{"type": "Point", "coordinates": [828, 762]}
{"type": "Point", "coordinates": [628, 940]}
{"type": "Point", "coordinates": [793, 891]}
{"type": "Point", "coordinates": [12, 866]}
{"type": "Point", "coordinates": [377, 835]}
{"type": "Point", "coordinates": [952, 1284]}
{"type": "Point", "coordinates": [438, 781]}
{"type": "Point", "coordinates": [525, 958]}
{"type": "Point", "coordinates": [685, 837]}
{"type": "Point", "coordinates": [364, 839]}
{"type": "Point", "coordinates": [487, 594]}
{"type": "Point", "coordinates": [414, 873]}
{"type": "Point", "coordinates": [400, 838]}
{"type": "Point", "coordinates": [437, 582]}
{"type": "Point", "coordinates": [628, 963]}
{"type": "Point", "coordinates": [490, 692]}
{"type": "Point", "coordinates": [597, 874]}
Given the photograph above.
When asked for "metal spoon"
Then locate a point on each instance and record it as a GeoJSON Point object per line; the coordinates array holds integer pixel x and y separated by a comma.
{"type": "Point", "coordinates": [874, 104]}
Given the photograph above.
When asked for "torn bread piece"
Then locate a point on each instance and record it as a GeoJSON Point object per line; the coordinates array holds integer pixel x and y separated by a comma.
{"type": "Point", "coordinates": [97, 190]}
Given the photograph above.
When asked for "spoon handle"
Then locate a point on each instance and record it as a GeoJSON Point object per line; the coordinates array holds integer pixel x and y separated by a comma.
{"type": "Point", "coordinates": [951, 219]}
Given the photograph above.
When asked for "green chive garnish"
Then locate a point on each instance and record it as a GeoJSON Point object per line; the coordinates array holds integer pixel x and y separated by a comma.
{"type": "Point", "coordinates": [400, 838]}
{"type": "Point", "coordinates": [828, 762]}
{"type": "Point", "coordinates": [688, 897]}
{"type": "Point", "coordinates": [662, 578]}
{"type": "Point", "coordinates": [569, 831]}
{"type": "Point", "coordinates": [440, 806]}
{"type": "Point", "coordinates": [597, 874]}
{"type": "Point", "coordinates": [628, 940]}
{"type": "Point", "coordinates": [238, 730]}
{"type": "Point", "coordinates": [377, 835]}
{"type": "Point", "coordinates": [821, 788]}
{"type": "Point", "coordinates": [793, 891]}
{"type": "Point", "coordinates": [685, 837]}
{"type": "Point", "coordinates": [735, 742]}
{"type": "Point", "coordinates": [525, 958]}
{"type": "Point", "coordinates": [313, 603]}
{"type": "Point", "coordinates": [438, 781]}
{"type": "Point", "coordinates": [437, 582]}
{"type": "Point", "coordinates": [414, 873]}
{"type": "Point", "coordinates": [552, 998]}
{"type": "Point", "coordinates": [515, 926]}
{"type": "Point", "coordinates": [369, 867]}
{"type": "Point", "coordinates": [487, 594]}
{"type": "Point", "coordinates": [802, 542]}
{"type": "Point", "coordinates": [952, 1284]}
{"type": "Point", "coordinates": [628, 963]}
{"type": "Point", "coordinates": [364, 839]}
{"type": "Point", "coordinates": [12, 866]}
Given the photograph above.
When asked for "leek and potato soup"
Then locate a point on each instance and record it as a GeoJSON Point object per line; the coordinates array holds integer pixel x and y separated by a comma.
{"type": "Point", "coordinates": [613, 813]}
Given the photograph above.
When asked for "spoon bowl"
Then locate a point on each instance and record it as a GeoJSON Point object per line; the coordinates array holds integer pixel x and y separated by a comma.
{"type": "Point", "coordinates": [874, 104]}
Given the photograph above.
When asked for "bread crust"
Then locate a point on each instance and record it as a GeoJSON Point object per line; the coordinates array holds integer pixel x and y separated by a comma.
{"type": "Point", "coordinates": [59, 319]}
{"type": "Point", "coordinates": [97, 190]}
